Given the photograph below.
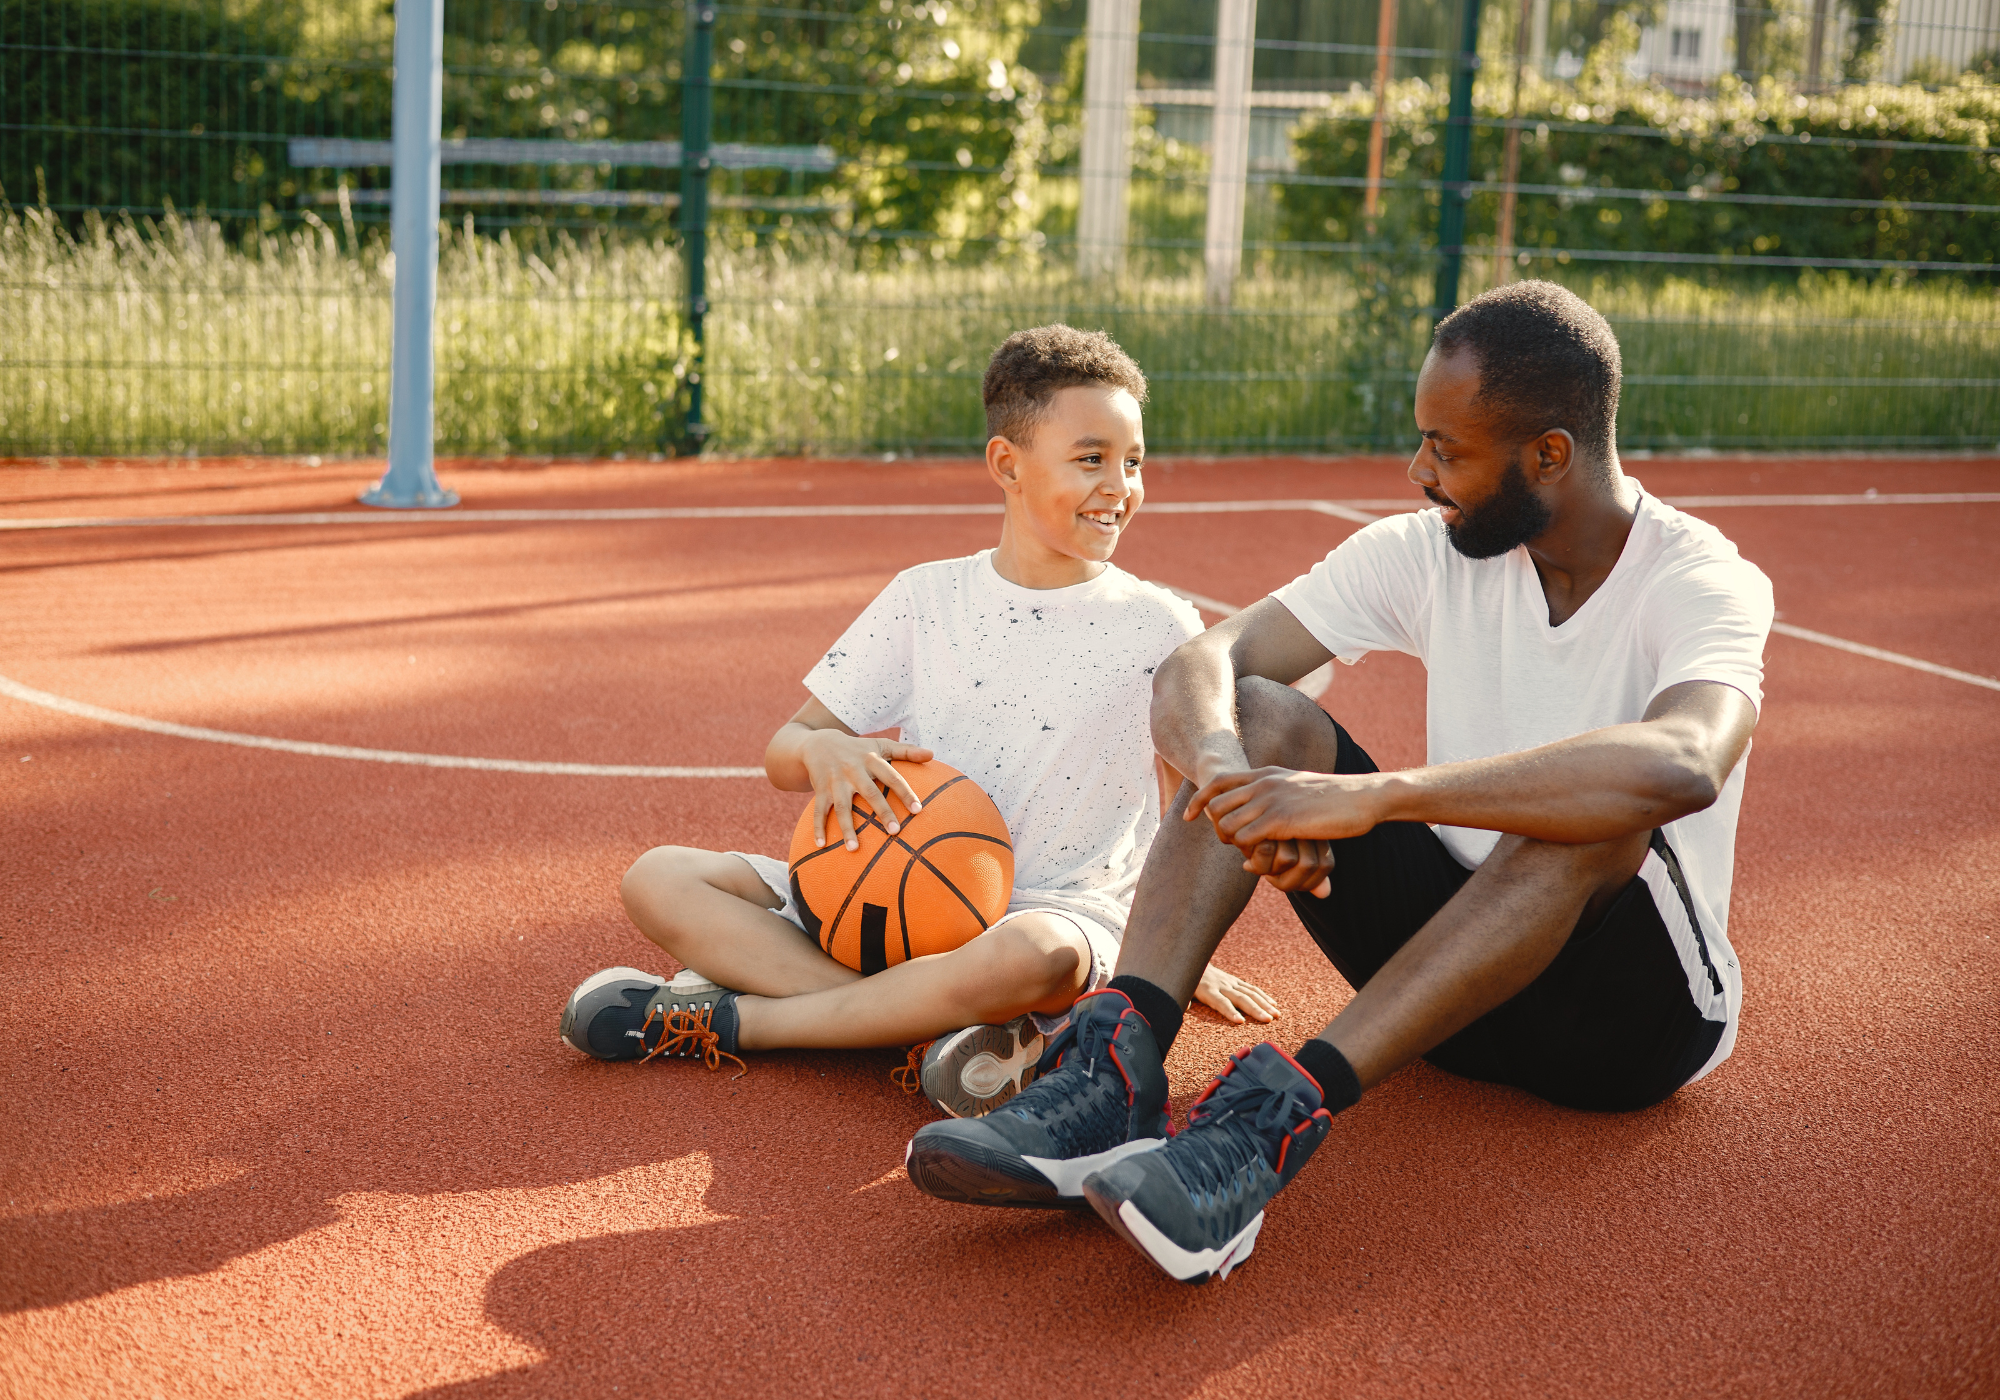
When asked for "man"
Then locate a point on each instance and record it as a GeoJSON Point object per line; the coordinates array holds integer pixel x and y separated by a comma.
{"type": "Point", "coordinates": [1543, 905]}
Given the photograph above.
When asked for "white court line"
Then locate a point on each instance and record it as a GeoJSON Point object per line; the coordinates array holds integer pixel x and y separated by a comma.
{"type": "Point", "coordinates": [79, 709]}
{"type": "Point", "coordinates": [1862, 649]}
{"type": "Point", "coordinates": [1357, 511]}
{"type": "Point", "coordinates": [1314, 684]}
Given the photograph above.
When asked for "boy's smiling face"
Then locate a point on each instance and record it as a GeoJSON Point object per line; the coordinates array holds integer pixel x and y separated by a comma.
{"type": "Point", "coordinates": [1071, 489]}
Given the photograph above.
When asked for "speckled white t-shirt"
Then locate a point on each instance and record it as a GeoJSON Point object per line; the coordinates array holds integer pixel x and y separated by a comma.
{"type": "Point", "coordinates": [1041, 696]}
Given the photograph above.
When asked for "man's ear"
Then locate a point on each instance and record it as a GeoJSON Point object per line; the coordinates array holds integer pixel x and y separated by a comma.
{"type": "Point", "coordinates": [1555, 454]}
{"type": "Point", "coordinates": [1003, 464]}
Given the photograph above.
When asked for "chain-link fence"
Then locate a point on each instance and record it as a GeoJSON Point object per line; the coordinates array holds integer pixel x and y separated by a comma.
{"type": "Point", "coordinates": [1788, 213]}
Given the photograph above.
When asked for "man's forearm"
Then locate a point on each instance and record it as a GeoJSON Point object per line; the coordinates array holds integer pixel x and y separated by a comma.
{"type": "Point", "coordinates": [1593, 787]}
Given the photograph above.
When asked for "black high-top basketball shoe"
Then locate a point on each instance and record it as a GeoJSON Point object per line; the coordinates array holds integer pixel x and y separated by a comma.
{"type": "Point", "coordinates": [1194, 1207]}
{"type": "Point", "coordinates": [1101, 1097]}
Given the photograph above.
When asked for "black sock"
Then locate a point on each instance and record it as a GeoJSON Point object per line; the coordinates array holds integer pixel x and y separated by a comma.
{"type": "Point", "coordinates": [1338, 1086]}
{"type": "Point", "coordinates": [1161, 1011]}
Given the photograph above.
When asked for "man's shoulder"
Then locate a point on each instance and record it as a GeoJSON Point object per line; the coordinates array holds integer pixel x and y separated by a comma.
{"type": "Point", "coordinates": [1688, 547]}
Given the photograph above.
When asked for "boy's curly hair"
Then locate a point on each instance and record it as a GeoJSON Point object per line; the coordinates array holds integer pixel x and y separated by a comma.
{"type": "Point", "coordinates": [1030, 366]}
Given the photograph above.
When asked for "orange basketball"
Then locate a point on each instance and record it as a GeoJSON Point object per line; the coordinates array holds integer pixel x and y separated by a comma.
{"type": "Point", "coordinates": [941, 880]}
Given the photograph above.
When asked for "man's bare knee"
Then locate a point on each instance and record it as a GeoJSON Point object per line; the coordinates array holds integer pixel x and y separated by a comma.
{"type": "Point", "coordinates": [1596, 869]}
{"type": "Point", "coordinates": [1281, 726]}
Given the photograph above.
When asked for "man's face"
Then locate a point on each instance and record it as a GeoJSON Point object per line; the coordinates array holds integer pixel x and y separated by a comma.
{"type": "Point", "coordinates": [1469, 468]}
{"type": "Point", "coordinates": [1080, 472]}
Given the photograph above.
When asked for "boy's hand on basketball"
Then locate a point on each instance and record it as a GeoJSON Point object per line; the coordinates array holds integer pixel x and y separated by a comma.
{"type": "Point", "coordinates": [1233, 999]}
{"type": "Point", "coordinates": [843, 768]}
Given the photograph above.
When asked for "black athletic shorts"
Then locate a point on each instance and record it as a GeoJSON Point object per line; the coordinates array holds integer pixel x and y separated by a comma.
{"type": "Point", "coordinates": [1610, 1024]}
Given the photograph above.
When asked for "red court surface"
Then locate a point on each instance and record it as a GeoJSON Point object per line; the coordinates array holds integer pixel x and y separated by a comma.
{"type": "Point", "coordinates": [287, 1113]}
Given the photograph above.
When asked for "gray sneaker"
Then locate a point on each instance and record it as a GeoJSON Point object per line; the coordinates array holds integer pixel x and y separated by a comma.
{"type": "Point", "coordinates": [974, 1071]}
{"type": "Point", "coordinates": [622, 1013]}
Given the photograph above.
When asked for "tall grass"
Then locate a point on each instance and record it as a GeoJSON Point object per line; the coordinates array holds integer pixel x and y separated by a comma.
{"type": "Point", "coordinates": [170, 338]}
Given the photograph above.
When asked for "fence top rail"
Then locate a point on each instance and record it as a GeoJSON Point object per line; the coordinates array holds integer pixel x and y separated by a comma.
{"type": "Point", "coordinates": [339, 153]}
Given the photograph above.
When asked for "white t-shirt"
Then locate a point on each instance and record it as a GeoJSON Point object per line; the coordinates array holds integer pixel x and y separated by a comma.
{"type": "Point", "coordinates": [1041, 696]}
{"type": "Point", "coordinates": [1680, 605]}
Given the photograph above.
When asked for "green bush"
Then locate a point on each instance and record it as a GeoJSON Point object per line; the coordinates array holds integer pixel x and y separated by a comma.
{"type": "Point", "coordinates": [1719, 145]}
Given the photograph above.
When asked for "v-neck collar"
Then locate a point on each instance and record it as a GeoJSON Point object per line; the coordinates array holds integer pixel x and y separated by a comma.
{"type": "Point", "coordinates": [1557, 630]}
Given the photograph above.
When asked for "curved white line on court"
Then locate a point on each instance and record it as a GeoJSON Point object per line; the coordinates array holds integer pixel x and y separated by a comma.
{"type": "Point", "coordinates": [63, 705]}
{"type": "Point", "coordinates": [1360, 512]}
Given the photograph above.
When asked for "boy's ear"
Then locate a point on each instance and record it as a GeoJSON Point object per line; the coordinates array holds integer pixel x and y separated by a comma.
{"type": "Point", "coordinates": [1003, 464]}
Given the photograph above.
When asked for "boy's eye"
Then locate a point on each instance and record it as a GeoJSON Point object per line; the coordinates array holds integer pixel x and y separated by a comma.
{"type": "Point", "coordinates": [1093, 458]}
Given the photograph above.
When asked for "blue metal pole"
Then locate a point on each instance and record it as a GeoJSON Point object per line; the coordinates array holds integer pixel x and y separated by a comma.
{"type": "Point", "coordinates": [696, 120]}
{"type": "Point", "coordinates": [416, 125]}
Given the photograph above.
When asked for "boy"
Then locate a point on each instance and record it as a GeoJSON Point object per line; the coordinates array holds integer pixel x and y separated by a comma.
{"type": "Point", "coordinates": [1028, 666]}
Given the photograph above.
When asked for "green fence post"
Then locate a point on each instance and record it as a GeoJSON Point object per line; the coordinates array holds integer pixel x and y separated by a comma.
{"type": "Point", "coordinates": [1457, 164]}
{"type": "Point", "coordinates": [696, 115]}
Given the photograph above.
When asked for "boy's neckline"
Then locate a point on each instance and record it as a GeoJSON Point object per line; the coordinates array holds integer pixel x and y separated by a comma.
{"type": "Point", "coordinates": [989, 559]}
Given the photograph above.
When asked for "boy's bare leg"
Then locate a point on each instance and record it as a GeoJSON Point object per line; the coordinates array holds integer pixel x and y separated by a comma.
{"type": "Point", "coordinates": [713, 913]}
{"type": "Point", "coordinates": [1037, 962]}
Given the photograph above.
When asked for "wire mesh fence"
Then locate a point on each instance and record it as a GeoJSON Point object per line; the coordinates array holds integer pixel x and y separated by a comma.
{"type": "Point", "coordinates": [1788, 213]}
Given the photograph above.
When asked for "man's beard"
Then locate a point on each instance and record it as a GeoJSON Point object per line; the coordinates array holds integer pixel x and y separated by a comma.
{"type": "Point", "coordinates": [1512, 517]}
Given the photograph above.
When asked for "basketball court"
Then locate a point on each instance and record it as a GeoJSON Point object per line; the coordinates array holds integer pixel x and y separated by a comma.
{"type": "Point", "coordinates": [313, 815]}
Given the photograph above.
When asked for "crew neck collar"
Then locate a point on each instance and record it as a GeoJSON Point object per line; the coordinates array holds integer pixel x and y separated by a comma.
{"type": "Point", "coordinates": [1067, 593]}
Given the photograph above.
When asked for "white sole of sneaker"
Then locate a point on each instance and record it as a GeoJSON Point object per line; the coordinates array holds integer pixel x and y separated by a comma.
{"type": "Point", "coordinates": [1186, 1265]}
{"type": "Point", "coordinates": [969, 1073]}
{"type": "Point", "coordinates": [1066, 1174]}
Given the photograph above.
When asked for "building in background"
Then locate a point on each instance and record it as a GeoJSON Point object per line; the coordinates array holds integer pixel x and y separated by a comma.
{"type": "Point", "coordinates": [1929, 41]}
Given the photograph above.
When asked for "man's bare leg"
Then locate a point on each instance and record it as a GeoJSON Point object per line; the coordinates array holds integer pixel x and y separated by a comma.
{"type": "Point", "coordinates": [1194, 887]}
{"type": "Point", "coordinates": [1501, 930]}
{"type": "Point", "coordinates": [1494, 937]}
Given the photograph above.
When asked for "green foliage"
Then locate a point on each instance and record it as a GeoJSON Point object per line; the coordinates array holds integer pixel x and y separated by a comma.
{"type": "Point", "coordinates": [1720, 145]}
{"type": "Point", "coordinates": [114, 104]}
{"type": "Point", "coordinates": [136, 338]}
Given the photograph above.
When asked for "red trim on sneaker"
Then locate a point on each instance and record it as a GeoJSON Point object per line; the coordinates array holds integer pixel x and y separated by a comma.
{"type": "Point", "coordinates": [1286, 1145]}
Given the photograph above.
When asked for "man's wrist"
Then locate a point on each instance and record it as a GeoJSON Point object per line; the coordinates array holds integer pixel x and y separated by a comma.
{"type": "Point", "coordinates": [1392, 797]}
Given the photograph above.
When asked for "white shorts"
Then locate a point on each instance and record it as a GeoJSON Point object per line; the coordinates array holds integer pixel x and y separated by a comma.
{"type": "Point", "coordinates": [1103, 942]}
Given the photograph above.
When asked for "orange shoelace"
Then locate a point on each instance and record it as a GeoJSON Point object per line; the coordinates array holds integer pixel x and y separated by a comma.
{"type": "Point", "coordinates": [688, 1033]}
{"type": "Point", "coordinates": [909, 1076]}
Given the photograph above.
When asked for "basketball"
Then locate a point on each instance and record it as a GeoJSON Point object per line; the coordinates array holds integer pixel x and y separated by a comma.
{"type": "Point", "coordinates": [940, 881]}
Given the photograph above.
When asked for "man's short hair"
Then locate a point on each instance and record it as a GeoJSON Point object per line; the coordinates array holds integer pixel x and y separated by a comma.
{"type": "Point", "coordinates": [1031, 366]}
{"type": "Point", "coordinates": [1546, 360]}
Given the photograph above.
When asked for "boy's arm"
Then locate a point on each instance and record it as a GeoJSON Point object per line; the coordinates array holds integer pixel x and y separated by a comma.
{"type": "Point", "coordinates": [815, 752]}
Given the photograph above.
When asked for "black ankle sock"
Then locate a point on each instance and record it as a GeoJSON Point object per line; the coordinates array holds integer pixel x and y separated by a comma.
{"type": "Point", "coordinates": [1338, 1086]}
{"type": "Point", "coordinates": [1161, 1011]}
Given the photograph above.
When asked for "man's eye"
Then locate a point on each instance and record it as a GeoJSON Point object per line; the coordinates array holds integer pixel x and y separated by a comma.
{"type": "Point", "coordinates": [1096, 459]}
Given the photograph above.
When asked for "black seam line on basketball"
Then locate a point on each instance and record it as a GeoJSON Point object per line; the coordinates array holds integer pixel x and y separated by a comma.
{"type": "Point", "coordinates": [833, 926]}
{"type": "Point", "coordinates": [943, 879]}
{"type": "Point", "coordinates": [869, 819]}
